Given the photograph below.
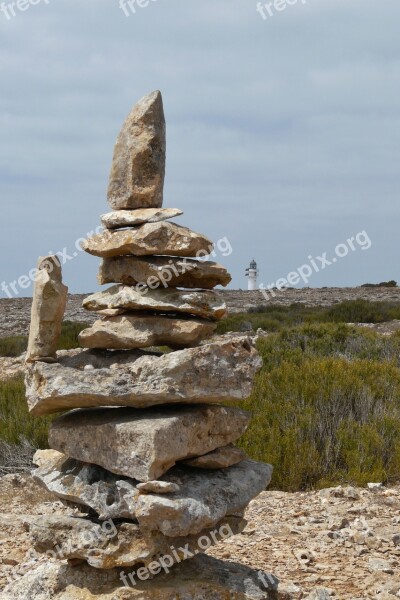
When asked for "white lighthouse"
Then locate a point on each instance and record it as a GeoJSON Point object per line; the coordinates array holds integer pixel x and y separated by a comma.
{"type": "Point", "coordinates": [252, 274]}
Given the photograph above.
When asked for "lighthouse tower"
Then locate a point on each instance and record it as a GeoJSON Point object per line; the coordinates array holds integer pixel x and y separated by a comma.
{"type": "Point", "coordinates": [252, 274]}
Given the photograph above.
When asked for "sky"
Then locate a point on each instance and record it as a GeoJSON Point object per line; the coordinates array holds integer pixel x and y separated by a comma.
{"type": "Point", "coordinates": [283, 130]}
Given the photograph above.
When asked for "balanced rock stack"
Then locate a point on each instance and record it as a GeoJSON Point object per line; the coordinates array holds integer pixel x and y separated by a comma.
{"type": "Point", "coordinates": [149, 455]}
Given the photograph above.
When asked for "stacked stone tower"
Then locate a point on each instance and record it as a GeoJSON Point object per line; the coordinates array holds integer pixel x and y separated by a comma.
{"type": "Point", "coordinates": [148, 455]}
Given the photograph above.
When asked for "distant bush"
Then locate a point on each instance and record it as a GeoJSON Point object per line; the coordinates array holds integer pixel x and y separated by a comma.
{"type": "Point", "coordinates": [14, 346]}
{"type": "Point", "coordinates": [327, 407]}
{"type": "Point", "coordinates": [389, 284]}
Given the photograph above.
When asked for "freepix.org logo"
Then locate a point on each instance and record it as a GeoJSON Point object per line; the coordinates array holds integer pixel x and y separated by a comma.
{"type": "Point", "coordinates": [12, 9]}
{"type": "Point", "coordinates": [268, 9]}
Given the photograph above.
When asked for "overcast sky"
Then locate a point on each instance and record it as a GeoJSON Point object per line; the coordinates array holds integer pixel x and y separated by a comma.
{"type": "Point", "coordinates": [283, 133]}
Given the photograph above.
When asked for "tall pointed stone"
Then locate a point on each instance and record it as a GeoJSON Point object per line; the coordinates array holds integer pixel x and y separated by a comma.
{"type": "Point", "coordinates": [138, 167]}
{"type": "Point", "coordinates": [48, 307]}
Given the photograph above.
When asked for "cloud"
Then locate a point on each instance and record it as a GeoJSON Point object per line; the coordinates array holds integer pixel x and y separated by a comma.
{"type": "Point", "coordinates": [282, 134]}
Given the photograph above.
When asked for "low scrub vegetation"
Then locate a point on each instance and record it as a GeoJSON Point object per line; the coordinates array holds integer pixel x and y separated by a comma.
{"type": "Point", "coordinates": [20, 433]}
{"type": "Point", "coordinates": [326, 404]}
{"type": "Point", "coordinates": [273, 317]}
{"type": "Point", "coordinates": [15, 346]}
{"type": "Point", "coordinates": [326, 407]}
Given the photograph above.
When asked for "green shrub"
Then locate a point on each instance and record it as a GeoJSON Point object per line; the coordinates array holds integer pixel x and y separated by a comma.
{"type": "Point", "coordinates": [69, 335]}
{"type": "Point", "coordinates": [16, 424]}
{"type": "Point", "coordinates": [326, 407]}
{"type": "Point", "coordinates": [15, 346]}
{"type": "Point", "coordinates": [272, 317]}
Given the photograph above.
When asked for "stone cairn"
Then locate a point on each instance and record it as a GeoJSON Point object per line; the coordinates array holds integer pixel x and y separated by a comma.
{"type": "Point", "coordinates": [149, 457]}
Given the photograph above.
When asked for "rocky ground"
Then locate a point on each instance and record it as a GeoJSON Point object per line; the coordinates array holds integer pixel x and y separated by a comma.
{"type": "Point", "coordinates": [15, 313]}
{"type": "Point", "coordinates": [341, 543]}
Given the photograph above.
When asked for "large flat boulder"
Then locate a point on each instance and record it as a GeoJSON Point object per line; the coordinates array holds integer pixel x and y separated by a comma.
{"type": "Point", "coordinates": [163, 271]}
{"type": "Point", "coordinates": [145, 444]}
{"type": "Point", "coordinates": [162, 238]}
{"type": "Point", "coordinates": [119, 219]}
{"type": "Point", "coordinates": [200, 578]}
{"type": "Point", "coordinates": [215, 373]}
{"type": "Point", "coordinates": [183, 502]}
{"type": "Point", "coordinates": [127, 332]}
{"type": "Point", "coordinates": [138, 166]}
{"type": "Point", "coordinates": [106, 545]}
{"type": "Point", "coordinates": [205, 304]}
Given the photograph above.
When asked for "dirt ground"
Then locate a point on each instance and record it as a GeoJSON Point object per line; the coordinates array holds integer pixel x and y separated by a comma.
{"type": "Point", "coordinates": [342, 543]}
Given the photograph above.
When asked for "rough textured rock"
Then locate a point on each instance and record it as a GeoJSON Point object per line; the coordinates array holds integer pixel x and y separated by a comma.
{"type": "Point", "coordinates": [152, 238]}
{"type": "Point", "coordinates": [48, 308]}
{"type": "Point", "coordinates": [131, 218]}
{"type": "Point", "coordinates": [158, 487]}
{"type": "Point", "coordinates": [219, 372]}
{"type": "Point", "coordinates": [205, 304]}
{"type": "Point", "coordinates": [145, 444]}
{"type": "Point", "coordinates": [107, 545]}
{"type": "Point", "coordinates": [109, 495]}
{"type": "Point", "coordinates": [138, 166]}
{"type": "Point", "coordinates": [163, 271]}
{"type": "Point", "coordinates": [128, 332]}
{"type": "Point", "coordinates": [221, 458]}
{"type": "Point", "coordinates": [204, 497]}
{"type": "Point", "coordinates": [184, 502]}
{"type": "Point", "coordinates": [280, 526]}
{"type": "Point", "coordinates": [201, 578]}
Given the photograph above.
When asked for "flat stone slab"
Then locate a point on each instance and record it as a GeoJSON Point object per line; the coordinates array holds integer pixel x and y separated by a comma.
{"type": "Point", "coordinates": [127, 332]}
{"type": "Point", "coordinates": [145, 444]}
{"type": "Point", "coordinates": [221, 458]}
{"type": "Point", "coordinates": [162, 238]}
{"type": "Point", "coordinates": [131, 218]}
{"type": "Point", "coordinates": [205, 304]}
{"type": "Point", "coordinates": [138, 166]}
{"type": "Point", "coordinates": [200, 578]}
{"type": "Point", "coordinates": [204, 497]}
{"type": "Point", "coordinates": [107, 545]}
{"type": "Point", "coordinates": [216, 373]}
{"type": "Point", "coordinates": [184, 502]}
{"type": "Point", "coordinates": [163, 272]}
